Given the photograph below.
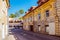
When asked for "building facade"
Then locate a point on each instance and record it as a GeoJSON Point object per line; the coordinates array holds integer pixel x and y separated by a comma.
{"type": "Point", "coordinates": [13, 22]}
{"type": "Point", "coordinates": [57, 5]}
{"type": "Point", "coordinates": [4, 5]}
{"type": "Point", "coordinates": [44, 18]}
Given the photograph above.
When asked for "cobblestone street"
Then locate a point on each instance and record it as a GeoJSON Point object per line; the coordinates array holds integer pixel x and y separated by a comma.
{"type": "Point", "coordinates": [20, 34]}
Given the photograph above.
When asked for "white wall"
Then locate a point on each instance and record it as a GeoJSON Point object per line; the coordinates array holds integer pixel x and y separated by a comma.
{"type": "Point", "coordinates": [52, 28]}
{"type": "Point", "coordinates": [14, 24]}
{"type": "Point", "coordinates": [3, 16]}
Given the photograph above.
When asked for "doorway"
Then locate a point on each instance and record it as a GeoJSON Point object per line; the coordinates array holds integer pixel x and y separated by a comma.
{"type": "Point", "coordinates": [31, 27]}
{"type": "Point", "coordinates": [39, 28]}
{"type": "Point", "coordinates": [47, 29]}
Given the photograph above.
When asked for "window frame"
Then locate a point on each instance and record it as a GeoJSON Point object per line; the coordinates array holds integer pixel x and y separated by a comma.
{"type": "Point", "coordinates": [39, 16]}
{"type": "Point", "coordinates": [47, 13]}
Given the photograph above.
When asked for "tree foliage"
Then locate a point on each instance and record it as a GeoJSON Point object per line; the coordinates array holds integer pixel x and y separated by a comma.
{"type": "Point", "coordinates": [21, 11]}
{"type": "Point", "coordinates": [12, 16]}
{"type": "Point", "coordinates": [17, 14]}
{"type": "Point", "coordinates": [20, 18]}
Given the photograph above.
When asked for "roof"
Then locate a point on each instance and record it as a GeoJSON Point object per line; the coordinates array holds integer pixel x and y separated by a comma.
{"type": "Point", "coordinates": [34, 9]}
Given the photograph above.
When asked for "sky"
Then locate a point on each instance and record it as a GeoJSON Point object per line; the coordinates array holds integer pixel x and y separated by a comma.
{"type": "Point", "coordinates": [16, 5]}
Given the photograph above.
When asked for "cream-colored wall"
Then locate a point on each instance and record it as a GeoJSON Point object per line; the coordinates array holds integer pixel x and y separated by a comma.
{"type": "Point", "coordinates": [3, 16]}
{"type": "Point", "coordinates": [52, 28]}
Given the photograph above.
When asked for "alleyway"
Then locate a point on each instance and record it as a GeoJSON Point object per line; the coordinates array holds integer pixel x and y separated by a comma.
{"type": "Point", "coordinates": [20, 34]}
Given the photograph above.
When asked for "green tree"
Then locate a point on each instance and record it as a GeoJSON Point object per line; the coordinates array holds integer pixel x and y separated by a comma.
{"type": "Point", "coordinates": [12, 16]}
{"type": "Point", "coordinates": [21, 11]}
{"type": "Point", "coordinates": [20, 18]}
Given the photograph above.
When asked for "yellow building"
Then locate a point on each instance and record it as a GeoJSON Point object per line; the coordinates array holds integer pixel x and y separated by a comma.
{"type": "Point", "coordinates": [28, 19]}
{"type": "Point", "coordinates": [4, 5]}
{"type": "Point", "coordinates": [44, 18]}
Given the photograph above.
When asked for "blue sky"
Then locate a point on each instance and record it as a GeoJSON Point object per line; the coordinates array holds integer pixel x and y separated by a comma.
{"type": "Point", "coordinates": [16, 5]}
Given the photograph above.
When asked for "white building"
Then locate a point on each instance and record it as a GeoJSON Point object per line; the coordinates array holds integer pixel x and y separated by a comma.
{"type": "Point", "coordinates": [4, 5]}
{"type": "Point", "coordinates": [15, 22]}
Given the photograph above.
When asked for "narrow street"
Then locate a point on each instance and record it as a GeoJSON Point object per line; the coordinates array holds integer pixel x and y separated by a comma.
{"type": "Point", "coordinates": [20, 34]}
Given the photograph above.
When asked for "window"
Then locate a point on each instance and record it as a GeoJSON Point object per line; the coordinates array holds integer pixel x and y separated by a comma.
{"type": "Point", "coordinates": [47, 13]}
{"type": "Point", "coordinates": [30, 18]}
{"type": "Point", "coordinates": [39, 16]}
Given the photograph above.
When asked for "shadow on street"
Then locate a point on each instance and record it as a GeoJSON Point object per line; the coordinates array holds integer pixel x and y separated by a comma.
{"type": "Point", "coordinates": [20, 34]}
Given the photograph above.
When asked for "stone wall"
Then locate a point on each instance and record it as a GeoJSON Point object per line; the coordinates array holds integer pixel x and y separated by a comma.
{"type": "Point", "coordinates": [58, 18]}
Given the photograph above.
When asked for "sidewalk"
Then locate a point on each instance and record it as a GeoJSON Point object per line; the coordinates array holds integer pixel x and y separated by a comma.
{"type": "Point", "coordinates": [10, 37]}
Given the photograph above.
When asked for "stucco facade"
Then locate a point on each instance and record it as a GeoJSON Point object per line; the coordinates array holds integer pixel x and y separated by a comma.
{"type": "Point", "coordinates": [44, 18]}
{"type": "Point", "coordinates": [4, 5]}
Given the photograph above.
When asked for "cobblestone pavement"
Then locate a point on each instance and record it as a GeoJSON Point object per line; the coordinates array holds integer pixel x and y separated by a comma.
{"type": "Point", "coordinates": [27, 35]}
